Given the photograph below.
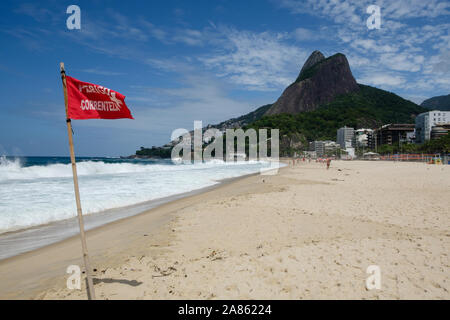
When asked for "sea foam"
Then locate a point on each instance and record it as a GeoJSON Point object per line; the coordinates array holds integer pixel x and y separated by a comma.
{"type": "Point", "coordinates": [40, 194]}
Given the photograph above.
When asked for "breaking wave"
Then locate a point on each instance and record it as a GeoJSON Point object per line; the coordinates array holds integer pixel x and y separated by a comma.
{"type": "Point", "coordinates": [32, 195]}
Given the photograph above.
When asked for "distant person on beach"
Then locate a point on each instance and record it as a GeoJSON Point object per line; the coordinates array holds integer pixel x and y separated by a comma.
{"type": "Point", "coordinates": [328, 163]}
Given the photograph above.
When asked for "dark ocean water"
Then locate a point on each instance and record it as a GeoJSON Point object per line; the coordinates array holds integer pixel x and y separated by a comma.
{"type": "Point", "coordinates": [44, 161]}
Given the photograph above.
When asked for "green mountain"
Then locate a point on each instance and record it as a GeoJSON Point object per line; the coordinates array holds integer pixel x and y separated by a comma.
{"type": "Point", "coordinates": [437, 103]}
{"type": "Point", "coordinates": [368, 107]}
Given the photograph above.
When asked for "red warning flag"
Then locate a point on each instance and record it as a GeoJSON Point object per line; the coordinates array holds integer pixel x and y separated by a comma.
{"type": "Point", "coordinates": [91, 101]}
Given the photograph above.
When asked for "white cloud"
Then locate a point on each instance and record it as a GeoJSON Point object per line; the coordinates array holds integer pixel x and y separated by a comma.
{"type": "Point", "coordinates": [304, 34]}
{"type": "Point", "coordinates": [258, 61]}
{"type": "Point", "coordinates": [401, 9]}
{"type": "Point", "coordinates": [339, 11]}
{"type": "Point", "coordinates": [353, 11]}
{"type": "Point", "coordinates": [382, 80]}
{"type": "Point", "coordinates": [125, 28]}
{"type": "Point", "coordinates": [189, 36]}
{"type": "Point", "coordinates": [356, 61]}
{"type": "Point", "coordinates": [372, 46]}
{"type": "Point", "coordinates": [441, 63]}
{"type": "Point", "coordinates": [402, 62]}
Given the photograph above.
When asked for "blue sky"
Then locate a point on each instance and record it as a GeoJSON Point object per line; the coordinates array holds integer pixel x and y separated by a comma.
{"type": "Point", "coordinates": [180, 61]}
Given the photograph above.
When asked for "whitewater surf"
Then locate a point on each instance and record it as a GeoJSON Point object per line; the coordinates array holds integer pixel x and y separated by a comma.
{"type": "Point", "coordinates": [37, 192]}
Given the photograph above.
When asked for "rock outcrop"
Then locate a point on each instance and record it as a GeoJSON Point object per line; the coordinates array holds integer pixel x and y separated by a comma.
{"type": "Point", "coordinates": [314, 58]}
{"type": "Point", "coordinates": [320, 81]}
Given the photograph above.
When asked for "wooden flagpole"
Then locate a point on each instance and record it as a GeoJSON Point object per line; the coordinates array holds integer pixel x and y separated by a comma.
{"type": "Point", "coordinates": [90, 284]}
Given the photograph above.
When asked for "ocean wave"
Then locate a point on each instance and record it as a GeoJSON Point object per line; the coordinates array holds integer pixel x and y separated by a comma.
{"type": "Point", "coordinates": [39, 194]}
{"type": "Point", "coordinates": [15, 170]}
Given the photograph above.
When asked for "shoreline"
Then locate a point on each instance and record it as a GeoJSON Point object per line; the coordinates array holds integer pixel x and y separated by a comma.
{"type": "Point", "coordinates": [16, 242]}
{"type": "Point", "coordinates": [163, 207]}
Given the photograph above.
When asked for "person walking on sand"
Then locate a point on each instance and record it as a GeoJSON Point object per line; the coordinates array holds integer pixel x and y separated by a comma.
{"type": "Point", "coordinates": [328, 163]}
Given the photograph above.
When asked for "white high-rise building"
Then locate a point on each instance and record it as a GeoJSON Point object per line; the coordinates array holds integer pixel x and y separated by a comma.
{"type": "Point", "coordinates": [346, 137]}
{"type": "Point", "coordinates": [364, 138]}
{"type": "Point", "coordinates": [427, 120]}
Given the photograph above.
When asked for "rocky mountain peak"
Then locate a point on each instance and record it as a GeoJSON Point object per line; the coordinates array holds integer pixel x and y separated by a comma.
{"type": "Point", "coordinates": [314, 58]}
{"type": "Point", "coordinates": [319, 82]}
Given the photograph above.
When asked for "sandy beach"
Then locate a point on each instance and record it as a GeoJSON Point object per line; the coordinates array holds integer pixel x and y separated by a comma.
{"type": "Point", "coordinates": [305, 233]}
